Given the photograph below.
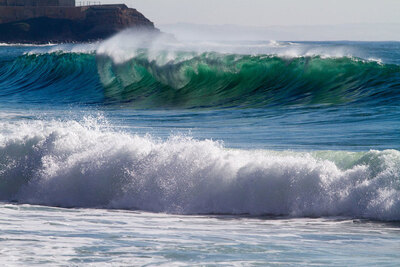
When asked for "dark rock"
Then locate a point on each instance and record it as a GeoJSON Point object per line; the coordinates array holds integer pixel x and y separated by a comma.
{"type": "Point", "coordinates": [95, 23]}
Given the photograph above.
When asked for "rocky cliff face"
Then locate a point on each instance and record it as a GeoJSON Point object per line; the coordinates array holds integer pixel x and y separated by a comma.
{"type": "Point", "coordinates": [88, 24]}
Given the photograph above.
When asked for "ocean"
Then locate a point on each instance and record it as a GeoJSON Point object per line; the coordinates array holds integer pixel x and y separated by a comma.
{"type": "Point", "coordinates": [145, 151]}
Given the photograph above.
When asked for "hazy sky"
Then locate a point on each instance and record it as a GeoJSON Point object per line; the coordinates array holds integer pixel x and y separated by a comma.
{"type": "Point", "coordinates": [268, 12]}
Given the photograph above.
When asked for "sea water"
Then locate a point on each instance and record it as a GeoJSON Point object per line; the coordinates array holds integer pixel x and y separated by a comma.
{"type": "Point", "coordinates": [143, 150]}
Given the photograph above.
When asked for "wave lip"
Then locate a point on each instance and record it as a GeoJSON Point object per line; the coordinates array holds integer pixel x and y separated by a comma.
{"type": "Point", "coordinates": [190, 80]}
{"type": "Point", "coordinates": [87, 164]}
{"type": "Point", "coordinates": [182, 80]}
{"type": "Point", "coordinates": [147, 71]}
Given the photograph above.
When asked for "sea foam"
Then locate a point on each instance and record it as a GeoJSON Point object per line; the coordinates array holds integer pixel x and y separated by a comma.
{"type": "Point", "coordinates": [89, 164]}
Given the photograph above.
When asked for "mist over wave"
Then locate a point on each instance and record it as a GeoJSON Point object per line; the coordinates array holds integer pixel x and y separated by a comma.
{"type": "Point", "coordinates": [88, 164]}
{"type": "Point", "coordinates": [356, 32]}
{"type": "Point", "coordinates": [124, 46]}
{"type": "Point", "coordinates": [145, 71]}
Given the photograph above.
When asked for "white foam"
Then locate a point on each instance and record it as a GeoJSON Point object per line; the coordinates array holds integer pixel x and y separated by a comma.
{"type": "Point", "coordinates": [87, 164]}
{"type": "Point", "coordinates": [164, 48]}
{"type": "Point", "coordinates": [64, 48]}
{"type": "Point", "coordinates": [28, 45]}
{"type": "Point", "coordinates": [128, 44]}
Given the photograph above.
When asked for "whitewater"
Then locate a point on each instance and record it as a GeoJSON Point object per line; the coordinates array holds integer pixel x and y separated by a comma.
{"type": "Point", "coordinates": [144, 150]}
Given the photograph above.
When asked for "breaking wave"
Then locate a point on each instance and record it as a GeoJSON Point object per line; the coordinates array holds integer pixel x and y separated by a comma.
{"type": "Point", "coordinates": [220, 80]}
{"type": "Point", "coordinates": [89, 164]}
{"type": "Point", "coordinates": [196, 80]}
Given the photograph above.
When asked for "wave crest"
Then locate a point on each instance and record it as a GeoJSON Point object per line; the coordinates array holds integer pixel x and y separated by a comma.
{"type": "Point", "coordinates": [218, 80]}
{"type": "Point", "coordinates": [191, 80]}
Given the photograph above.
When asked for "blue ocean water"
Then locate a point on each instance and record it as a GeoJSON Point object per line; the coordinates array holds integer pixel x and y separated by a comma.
{"type": "Point", "coordinates": [144, 150]}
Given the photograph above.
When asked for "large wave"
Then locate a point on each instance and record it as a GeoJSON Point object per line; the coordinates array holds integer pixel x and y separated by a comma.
{"type": "Point", "coordinates": [88, 164]}
{"type": "Point", "coordinates": [166, 79]}
{"type": "Point", "coordinates": [232, 80]}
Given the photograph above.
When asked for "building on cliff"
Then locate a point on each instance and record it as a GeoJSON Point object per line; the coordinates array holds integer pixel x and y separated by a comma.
{"type": "Point", "coordinates": [16, 10]}
{"type": "Point", "coordinates": [40, 3]}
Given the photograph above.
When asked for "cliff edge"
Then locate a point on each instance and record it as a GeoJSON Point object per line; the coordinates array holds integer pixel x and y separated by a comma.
{"type": "Point", "coordinates": [68, 24]}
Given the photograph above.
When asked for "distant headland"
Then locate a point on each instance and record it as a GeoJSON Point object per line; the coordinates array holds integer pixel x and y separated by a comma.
{"type": "Point", "coordinates": [60, 21]}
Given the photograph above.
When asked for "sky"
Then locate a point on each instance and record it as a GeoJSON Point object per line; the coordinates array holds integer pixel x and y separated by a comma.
{"type": "Point", "coordinates": [265, 13]}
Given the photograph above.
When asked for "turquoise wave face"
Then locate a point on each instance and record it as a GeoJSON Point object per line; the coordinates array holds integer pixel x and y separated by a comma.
{"type": "Point", "coordinates": [190, 80]}
{"type": "Point", "coordinates": [218, 80]}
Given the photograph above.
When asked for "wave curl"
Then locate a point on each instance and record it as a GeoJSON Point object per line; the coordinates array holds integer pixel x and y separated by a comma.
{"type": "Point", "coordinates": [192, 80]}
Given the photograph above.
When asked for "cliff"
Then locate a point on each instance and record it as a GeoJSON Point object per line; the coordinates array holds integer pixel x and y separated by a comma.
{"type": "Point", "coordinates": [67, 24]}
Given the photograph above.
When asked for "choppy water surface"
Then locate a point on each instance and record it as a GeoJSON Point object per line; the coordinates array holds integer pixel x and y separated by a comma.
{"type": "Point", "coordinates": [44, 235]}
{"type": "Point", "coordinates": [134, 147]}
